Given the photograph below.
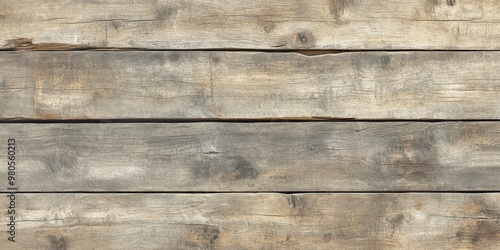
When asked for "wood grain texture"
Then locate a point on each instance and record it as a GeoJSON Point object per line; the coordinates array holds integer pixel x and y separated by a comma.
{"type": "Point", "coordinates": [311, 156]}
{"type": "Point", "coordinates": [259, 24]}
{"type": "Point", "coordinates": [360, 85]}
{"type": "Point", "coordinates": [257, 221]}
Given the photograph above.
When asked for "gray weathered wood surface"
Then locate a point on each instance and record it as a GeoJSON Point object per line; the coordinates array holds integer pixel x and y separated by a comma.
{"type": "Point", "coordinates": [361, 85]}
{"type": "Point", "coordinates": [257, 221]}
{"type": "Point", "coordinates": [311, 156]}
{"type": "Point", "coordinates": [256, 24]}
{"type": "Point", "coordinates": [217, 184]}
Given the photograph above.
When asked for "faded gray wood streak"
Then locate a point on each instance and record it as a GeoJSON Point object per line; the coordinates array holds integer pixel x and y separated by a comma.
{"type": "Point", "coordinates": [257, 221]}
{"type": "Point", "coordinates": [259, 24]}
{"type": "Point", "coordinates": [311, 156]}
{"type": "Point", "coordinates": [362, 85]}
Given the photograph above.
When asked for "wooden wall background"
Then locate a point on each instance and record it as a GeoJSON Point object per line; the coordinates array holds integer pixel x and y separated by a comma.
{"type": "Point", "coordinates": [261, 124]}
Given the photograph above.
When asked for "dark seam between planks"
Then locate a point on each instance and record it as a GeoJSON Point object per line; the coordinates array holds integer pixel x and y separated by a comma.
{"type": "Point", "coordinates": [234, 120]}
{"type": "Point", "coordinates": [256, 192]}
{"type": "Point", "coordinates": [77, 47]}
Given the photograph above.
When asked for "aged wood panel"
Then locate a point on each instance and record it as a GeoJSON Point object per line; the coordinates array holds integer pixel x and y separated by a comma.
{"type": "Point", "coordinates": [361, 85]}
{"type": "Point", "coordinates": [311, 156]}
{"type": "Point", "coordinates": [256, 221]}
{"type": "Point", "coordinates": [259, 24]}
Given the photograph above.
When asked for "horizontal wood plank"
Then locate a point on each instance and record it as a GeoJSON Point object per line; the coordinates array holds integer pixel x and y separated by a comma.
{"type": "Point", "coordinates": [226, 85]}
{"type": "Point", "coordinates": [259, 24]}
{"type": "Point", "coordinates": [255, 221]}
{"type": "Point", "coordinates": [311, 156]}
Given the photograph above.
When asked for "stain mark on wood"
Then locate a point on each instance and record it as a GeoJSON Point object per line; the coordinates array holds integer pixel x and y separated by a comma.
{"type": "Point", "coordinates": [211, 233]}
{"type": "Point", "coordinates": [214, 59]}
{"type": "Point", "coordinates": [338, 7]}
{"type": "Point", "coordinates": [395, 222]}
{"type": "Point", "coordinates": [204, 236]}
{"type": "Point", "coordinates": [268, 26]}
{"type": "Point", "coordinates": [478, 232]}
{"type": "Point", "coordinates": [385, 60]}
{"type": "Point", "coordinates": [414, 159]}
{"type": "Point", "coordinates": [230, 168]}
{"type": "Point", "coordinates": [244, 170]}
{"type": "Point", "coordinates": [164, 14]}
{"type": "Point", "coordinates": [201, 171]}
{"type": "Point", "coordinates": [116, 25]}
{"type": "Point", "coordinates": [327, 237]}
{"type": "Point", "coordinates": [174, 57]}
{"type": "Point", "coordinates": [58, 242]}
{"type": "Point", "coordinates": [451, 2]}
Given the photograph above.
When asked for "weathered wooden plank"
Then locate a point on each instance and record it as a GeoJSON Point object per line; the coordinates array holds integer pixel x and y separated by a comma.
{"type": "Point", "coordinates": [259, 24]}
{"type": "Point", "coordinates": [364, 85]}
{"type": "Point", "coordinates": [311, 156]}
{"type": "Point", "coordinates": [255, 221]}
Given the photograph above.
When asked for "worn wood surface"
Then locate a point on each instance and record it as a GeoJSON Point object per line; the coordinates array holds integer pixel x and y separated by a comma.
{"type": "Point", "coordinates": [257, 221]}
{"type": "Point", "coordinates": [312, 156]}
{"type": "Point", "coordinates": [361, 85]}
{"type": "Point", "coordinates": [258, 24]}
{"type": "Point", "coordinates": [146, 184]}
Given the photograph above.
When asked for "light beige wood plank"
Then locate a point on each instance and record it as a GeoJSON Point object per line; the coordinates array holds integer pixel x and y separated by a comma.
{"type": "Point", "coordinates": [256, 221]}
{"type": "Point", "coordinates": [259, 24]}
{"type": "Point", "coordinates": [361, 85]}
{"type": "Point", "coordinates": [312, 156]}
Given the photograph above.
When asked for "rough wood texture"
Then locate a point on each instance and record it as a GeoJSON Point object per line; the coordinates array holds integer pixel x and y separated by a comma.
{"type": "Point", "coordinates": [312, 156]}
{"type": "Point", "coordinates": [361, 85]}
{"type": "Point", "coordinates": [257, 24]}
{"type": "Point", "coordinates": [257, 221]}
